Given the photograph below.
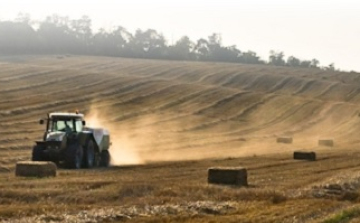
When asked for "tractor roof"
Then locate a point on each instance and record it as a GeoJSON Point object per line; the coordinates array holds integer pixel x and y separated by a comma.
{"type": "Point", "coordinates": [66, 114]}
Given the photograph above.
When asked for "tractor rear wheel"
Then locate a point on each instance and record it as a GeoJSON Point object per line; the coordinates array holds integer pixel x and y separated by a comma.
{"type": "Point", "coordinates": [37, 153]}
{"type": "Point", "coordinates": [74, 156]}
{"type": "Point", "coordinates": [105, 158]}
{"type": "Point", "coordinates": [89, 155]}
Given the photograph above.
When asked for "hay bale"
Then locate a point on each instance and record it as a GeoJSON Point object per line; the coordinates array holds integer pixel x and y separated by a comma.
{"type": "Point", "coordinates": [301, 155]}
{"type": "Point", "coordinates": [287, 140]}
{"type": "Point", "coordinates": [326, 142]}
{"type": "Point", "coordinates": [35, 169]}
{"type": "Point", "coordinates": [228, 175]}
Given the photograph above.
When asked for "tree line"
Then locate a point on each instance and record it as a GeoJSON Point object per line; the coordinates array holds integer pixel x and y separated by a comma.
{"type": "Point", "coordinates": [62, 35]}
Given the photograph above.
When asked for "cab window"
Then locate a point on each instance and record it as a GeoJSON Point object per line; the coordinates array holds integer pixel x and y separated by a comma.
{"type": "Point", "coordinates": [78, 125]}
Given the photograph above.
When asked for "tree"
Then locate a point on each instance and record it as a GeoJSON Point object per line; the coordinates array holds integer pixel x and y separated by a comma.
{"type": "Point", "coordinates": [217, 52]}
{"type": "Point", "coordinates": [202, 49]}
{"type": "Point", "coordinates": [102, 45]}
{"type": "Point", "coordinates": [149, 44]}
{"type": "Point", "coordinates": [305, 63]}
{"type": "Point", "coordinates": [330, 67]}
{"type": "Point", "coordinates": [215, 40]}
{"type": "Point", "coordinates": [276, 58]}
{"type": "Point", "coordinates": [17, 37]}
{"type": "Point", "coordinates": [182, 50]}
{"type": "Point", "coordinates": [112, 43]}
{"type": "Point", "coordinates": [314, 63]}
{"type": "Point", "coordinates": [214, 46]}
{"type": "Point", "coordinates": [121, 37]}
{"type": "Point", "coordinates": [83, 32]}
{"type": "Point", "coordinates": [293, 61]}
{"type": "Point", "coordinates": [56, 36]}
{"type": "Point", "coordinates": [250, 57]}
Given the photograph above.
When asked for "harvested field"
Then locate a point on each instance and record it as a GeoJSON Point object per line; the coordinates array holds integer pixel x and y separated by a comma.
{"type": "Point", "coordinates": [170, 122]}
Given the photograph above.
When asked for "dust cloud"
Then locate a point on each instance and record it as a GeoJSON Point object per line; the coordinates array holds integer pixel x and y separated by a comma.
{"type": "Point", "coordinates": [122, 150]}
{"type": "Point", "coordinates": [147, 139]}
{"type": "Point", "coordinates": [162, 137]}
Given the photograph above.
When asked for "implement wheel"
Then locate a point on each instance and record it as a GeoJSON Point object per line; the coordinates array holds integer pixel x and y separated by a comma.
{"type": "Point", "coordinates": [105, 158]}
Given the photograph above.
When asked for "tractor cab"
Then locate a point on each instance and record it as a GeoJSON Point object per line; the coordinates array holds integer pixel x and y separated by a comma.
{"type": "Point", "coordinates": [63, 123]}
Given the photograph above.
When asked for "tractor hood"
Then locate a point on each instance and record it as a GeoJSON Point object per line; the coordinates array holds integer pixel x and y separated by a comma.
{"type": "Point", "coordinates": [55, 136]}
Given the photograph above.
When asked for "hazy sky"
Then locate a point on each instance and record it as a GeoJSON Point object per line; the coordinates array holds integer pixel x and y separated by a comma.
{"type": "Point", "coordinates": [326, 30]}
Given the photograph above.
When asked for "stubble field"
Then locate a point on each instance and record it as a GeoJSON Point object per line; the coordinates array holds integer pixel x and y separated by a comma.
{"type": "Point", "coordinates": [169, 122]}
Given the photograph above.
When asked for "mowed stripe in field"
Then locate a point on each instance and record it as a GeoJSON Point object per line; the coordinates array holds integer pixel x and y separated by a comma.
{"type": "Point", "coordinates": [166, 106]}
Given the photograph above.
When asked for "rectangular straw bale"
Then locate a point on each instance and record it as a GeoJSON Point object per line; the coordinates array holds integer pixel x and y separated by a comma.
{"type": "Point", "coordinates": [301, 155]}
{"type": "Point", "coordinates": [35, 169]}
{"type": "Point", "coordinates": [228, 175]}
{"type": "Point", "coordinates": [287, 140]}
{"type": "Point", "coordinates": [326, 142]}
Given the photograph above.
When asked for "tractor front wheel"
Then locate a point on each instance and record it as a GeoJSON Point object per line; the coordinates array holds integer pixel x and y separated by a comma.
{"type": "Point", "coordinates": [37, 153]}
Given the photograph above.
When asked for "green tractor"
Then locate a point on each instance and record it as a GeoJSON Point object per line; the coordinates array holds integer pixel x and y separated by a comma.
{"type": "Point", "coordinates": [69, 143]}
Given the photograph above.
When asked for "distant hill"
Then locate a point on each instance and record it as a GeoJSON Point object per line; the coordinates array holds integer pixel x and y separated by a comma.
{"type": "Point", "coordinates": [179, 110]}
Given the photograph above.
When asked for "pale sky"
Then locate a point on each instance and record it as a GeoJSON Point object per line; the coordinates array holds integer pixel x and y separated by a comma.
{"type": "Point", "coordinates": [326, 30]}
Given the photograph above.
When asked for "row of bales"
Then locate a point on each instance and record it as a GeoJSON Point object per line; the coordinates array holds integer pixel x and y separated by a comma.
{"type": "Point", "coordinates": [238, 175]}
{"type": "Point", "coordinates": [321, 142]}
{"type": "Point", "coordinates": [304, 155]}
{"type": "Point", "coordinates": [217, 175]}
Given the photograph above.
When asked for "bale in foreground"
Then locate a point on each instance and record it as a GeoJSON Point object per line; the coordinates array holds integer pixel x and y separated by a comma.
{"type": "Point", "coordinates": [35, 169]}
{"type": "Point", "coordinates": [228, 175]}
{"type": "Point", "coordinates": [326, 142]}
{"type": "Point", "coordinates": [301, 155]}
{"type": "Point", "coordinates": [287, 140]}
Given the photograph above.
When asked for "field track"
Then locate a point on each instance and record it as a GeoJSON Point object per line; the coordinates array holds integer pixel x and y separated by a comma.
{"type": "Point", "coordinates": [169, 122]}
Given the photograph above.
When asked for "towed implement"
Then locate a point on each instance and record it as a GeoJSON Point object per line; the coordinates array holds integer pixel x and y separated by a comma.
{"type": "Point", "coordinates": [68, 142]}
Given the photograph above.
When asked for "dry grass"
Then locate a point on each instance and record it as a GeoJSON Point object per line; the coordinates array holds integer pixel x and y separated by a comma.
{"type": "Point", "coordinates": [177, 119]}
{"type": "Point", "coordinates": [178, 191]}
